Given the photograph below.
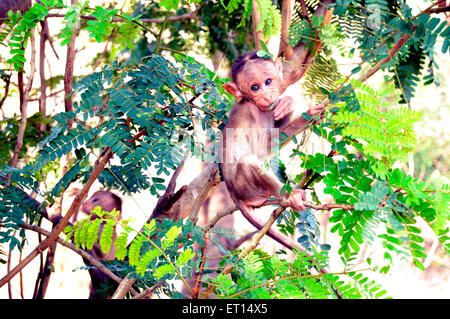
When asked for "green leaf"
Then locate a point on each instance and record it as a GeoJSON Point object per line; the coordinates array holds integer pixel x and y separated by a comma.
{"type": "Point", "coordinates": [163, 270]}
{"type": "Point", "coordinates": [169, 4]}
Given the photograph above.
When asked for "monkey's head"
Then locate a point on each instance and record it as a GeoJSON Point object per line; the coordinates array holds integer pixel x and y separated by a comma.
{"type": "Point", "coordinates": [256, 79]}
{"type": "Point", "coordinates": [105, 199]}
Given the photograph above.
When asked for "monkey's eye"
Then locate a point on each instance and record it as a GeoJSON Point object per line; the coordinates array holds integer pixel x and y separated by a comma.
{"type": "Point", "coordinates": [268, 81]}
{"type": "Point", "coordinates": [94, 200]}
{"type": "Point", "coordinates": [254, 87]}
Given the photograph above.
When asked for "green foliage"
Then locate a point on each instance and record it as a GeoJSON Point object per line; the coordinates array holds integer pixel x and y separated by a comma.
{"type": "Point", "coordinates": [2, 255]}
{"type": "Point", "coordinates": [173, 4]}
{"type": "Point", "coordinates": [147, 92]}
{"type": "Point", "coordinates": [9, 128]}
{"type": "Point", "coordinates": [260, 276]}
{"type": "Point", "coordinates": [407, 72]}
{"type": "Point", "coordinates": [388, 133]}
{"type": "Point", "coordinates": [152, 258]}
{"type": "Point", "coordinates": [18, 28]}
{"type": "Point", "coordinates": [322, 76]}
{"type": "Point", "coordinates": [377, 25]}
{"type": "Point", "coordinates": [270, 22]}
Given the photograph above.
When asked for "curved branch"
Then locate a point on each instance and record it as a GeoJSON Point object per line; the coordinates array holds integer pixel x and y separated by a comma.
{"type": "Point", "coordinates": [92, 260]}
{"type": "Point", "coordinates": [295, 67]}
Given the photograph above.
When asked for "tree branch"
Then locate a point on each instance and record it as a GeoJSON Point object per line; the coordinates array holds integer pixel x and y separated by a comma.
{"type": "Point", "coordinates": [43, 89]}
{"type": "Point", "coordinates": [285, 49]}
{"type": "Point", "coordinates": [125, 285]}
{"type": "Point", "coordinates": [256, 18]}
{"type": "Point", "coordinates": [190, 15]}
{"type": "Point", "coordinates": [148, 292]}
{"type": "Point", "coordinates": [97, 169]}
{"type": "Point", "coordinates": [92, 260]}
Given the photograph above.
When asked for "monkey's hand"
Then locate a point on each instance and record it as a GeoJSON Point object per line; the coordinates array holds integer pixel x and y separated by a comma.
{"type": "Point", "coordinates": [295, 200]}
{"type": "Point", "coordinates": [317, 110]}
{"type": "Point", "coordinates": [284, 108]}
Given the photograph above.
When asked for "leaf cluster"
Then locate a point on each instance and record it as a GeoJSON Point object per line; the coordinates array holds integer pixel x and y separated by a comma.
{"type": "Point", "coordinates": [263, 276]}
{"type": "Point", "coordinates": [152, 255]}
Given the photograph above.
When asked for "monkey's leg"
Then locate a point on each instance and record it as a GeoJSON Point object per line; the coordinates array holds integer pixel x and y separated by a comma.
{"type": "Point", "coordinates": [254, 186]}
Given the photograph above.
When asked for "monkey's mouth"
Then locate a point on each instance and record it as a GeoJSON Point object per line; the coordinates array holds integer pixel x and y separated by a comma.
{"type": "Point", "coordinates": [273, 105]}
{"type": "Point", "coordinates": [269, 106]}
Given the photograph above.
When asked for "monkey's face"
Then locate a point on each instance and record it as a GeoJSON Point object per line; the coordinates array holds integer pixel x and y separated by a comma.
{"type": "Point", "coordinates": [260, 82]}
{"type": "Point", "coordinates": [102, 199]}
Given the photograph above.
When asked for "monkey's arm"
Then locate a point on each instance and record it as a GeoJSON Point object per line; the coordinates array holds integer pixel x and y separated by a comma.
{"type": "Point", "coordinates": [291, 124]}
{"type": "Point", "coordinates": [253, 186]}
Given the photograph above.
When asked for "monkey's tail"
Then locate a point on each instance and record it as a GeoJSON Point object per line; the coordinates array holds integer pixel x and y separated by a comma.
{"type": "Point", "coordinates": [248, 213]}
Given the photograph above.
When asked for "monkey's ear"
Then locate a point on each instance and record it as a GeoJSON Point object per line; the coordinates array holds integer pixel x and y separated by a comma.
{"type": "Point", "coordinates": [278, 65]}
{"type": "Point", "coordinates": [232, 88]}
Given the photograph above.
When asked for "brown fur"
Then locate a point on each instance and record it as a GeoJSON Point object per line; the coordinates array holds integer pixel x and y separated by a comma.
{"type": "Point", "coordinates": [14, 5]}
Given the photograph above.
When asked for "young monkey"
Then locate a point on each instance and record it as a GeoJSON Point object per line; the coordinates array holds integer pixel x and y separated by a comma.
{"type": "Point", "coordinates": [107, 201]}
{"type": "Point", "coordinates": [257, 118]}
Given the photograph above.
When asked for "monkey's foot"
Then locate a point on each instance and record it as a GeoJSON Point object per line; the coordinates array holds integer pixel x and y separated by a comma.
{"type": "Point", "coordinates": [295, 200]}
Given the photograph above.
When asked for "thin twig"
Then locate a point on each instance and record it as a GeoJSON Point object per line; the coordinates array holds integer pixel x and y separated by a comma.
{"type": "Point", "coordinates": [148, 292]}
